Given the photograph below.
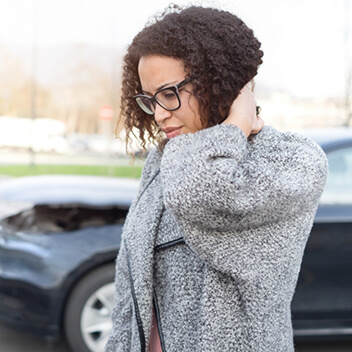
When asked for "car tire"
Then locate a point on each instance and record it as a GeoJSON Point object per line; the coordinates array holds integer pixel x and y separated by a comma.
{"type": "Point", "coordinates": [87, 317]}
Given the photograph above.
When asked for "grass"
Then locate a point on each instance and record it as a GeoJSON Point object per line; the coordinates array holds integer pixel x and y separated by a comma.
{"type": "Point", "coordinates": [96, 170]}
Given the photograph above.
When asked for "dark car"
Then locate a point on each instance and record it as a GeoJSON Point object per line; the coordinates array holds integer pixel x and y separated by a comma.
{"type": "Point", "coordinates": [57, 255]}
{"type": "Point", "coordinates": [322, 305]}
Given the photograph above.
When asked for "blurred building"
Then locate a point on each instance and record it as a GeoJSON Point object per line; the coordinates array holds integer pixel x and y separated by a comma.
{"type": "Point", "coordinates": [44, 134]}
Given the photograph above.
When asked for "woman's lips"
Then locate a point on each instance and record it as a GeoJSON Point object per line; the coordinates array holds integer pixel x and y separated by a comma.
{"type": "Point", "coordinates": [172, 132]}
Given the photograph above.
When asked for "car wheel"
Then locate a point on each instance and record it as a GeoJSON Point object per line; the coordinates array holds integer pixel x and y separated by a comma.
{"type": "Point", "coordinates": [87, 320]}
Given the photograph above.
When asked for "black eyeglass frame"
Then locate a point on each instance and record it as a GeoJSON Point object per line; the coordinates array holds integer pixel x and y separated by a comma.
{"type": "Point", "coordinates": [154, 101]}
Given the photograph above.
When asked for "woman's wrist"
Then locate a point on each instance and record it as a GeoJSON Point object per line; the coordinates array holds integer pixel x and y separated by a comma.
{"type": "Point", "coordinates": [242, 124]}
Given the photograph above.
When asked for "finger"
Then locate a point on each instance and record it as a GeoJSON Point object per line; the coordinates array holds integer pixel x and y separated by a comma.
{"type": "Point", "coordinates": [250, 85]}
{"type": "Point", "coordinates": [258, 125]}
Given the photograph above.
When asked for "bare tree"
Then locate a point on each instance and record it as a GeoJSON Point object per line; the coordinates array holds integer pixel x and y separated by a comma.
{"type": "Point", "coordinates": [84, 87]}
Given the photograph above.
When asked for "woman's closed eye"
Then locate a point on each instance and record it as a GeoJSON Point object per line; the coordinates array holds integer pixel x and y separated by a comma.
{"type": "Point", "coordinates": [168, 95]}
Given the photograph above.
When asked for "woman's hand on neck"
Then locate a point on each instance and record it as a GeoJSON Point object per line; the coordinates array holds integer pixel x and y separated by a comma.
{"type": "Point", "coordinates": [243, 112]}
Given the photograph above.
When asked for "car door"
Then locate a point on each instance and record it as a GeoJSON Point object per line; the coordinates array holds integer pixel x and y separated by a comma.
{"type": "Point", "coordinates": [323, 299]}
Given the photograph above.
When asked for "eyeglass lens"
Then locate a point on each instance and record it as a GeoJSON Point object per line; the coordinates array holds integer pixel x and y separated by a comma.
{"type": "Point", "coordinates": [166, 98]}
{"type": "Point", "coordinates": [146, 105]}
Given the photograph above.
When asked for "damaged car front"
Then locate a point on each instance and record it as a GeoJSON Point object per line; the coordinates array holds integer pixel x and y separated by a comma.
{"type": "Point", "coordinates": [57, 255]}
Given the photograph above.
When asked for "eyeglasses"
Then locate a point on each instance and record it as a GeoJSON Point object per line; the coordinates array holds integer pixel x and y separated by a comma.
{"type": "Point", "coordinates": [168, 98]}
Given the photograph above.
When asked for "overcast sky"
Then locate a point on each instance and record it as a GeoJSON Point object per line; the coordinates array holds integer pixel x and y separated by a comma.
{"type": "Point", "coordinates": [303, 40]}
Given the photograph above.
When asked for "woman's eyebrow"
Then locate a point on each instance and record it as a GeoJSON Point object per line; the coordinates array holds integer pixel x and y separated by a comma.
{"type": "Point", "coordinates": [171, 84]}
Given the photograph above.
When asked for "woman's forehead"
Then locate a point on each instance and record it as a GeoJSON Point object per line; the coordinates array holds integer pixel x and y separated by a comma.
{"type": "Point", "coordinates": [156, 72]}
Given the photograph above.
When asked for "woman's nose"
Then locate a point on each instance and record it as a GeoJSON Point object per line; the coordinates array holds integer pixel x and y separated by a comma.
{"type": "Point", "coordinates": [161, 114]}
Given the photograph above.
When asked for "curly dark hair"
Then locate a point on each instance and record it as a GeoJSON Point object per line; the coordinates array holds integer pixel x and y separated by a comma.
{"type": "Point", "coordinates": [220, 54]}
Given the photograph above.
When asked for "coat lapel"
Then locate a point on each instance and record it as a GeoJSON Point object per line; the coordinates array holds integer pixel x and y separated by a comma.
{"type": "Point", "coordinates": [140, 234]}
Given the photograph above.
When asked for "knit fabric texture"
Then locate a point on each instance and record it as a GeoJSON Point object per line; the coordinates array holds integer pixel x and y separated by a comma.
{"type": "Point", "coordinates": [245, 208]}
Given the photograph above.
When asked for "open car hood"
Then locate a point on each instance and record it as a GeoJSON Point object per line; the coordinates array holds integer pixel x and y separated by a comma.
{"type": "Point", "coordinates": [63, 189]}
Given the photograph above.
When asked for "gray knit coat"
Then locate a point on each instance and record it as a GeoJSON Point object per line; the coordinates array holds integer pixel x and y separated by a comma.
{"type": "Point", "coordinates": [214, 242]}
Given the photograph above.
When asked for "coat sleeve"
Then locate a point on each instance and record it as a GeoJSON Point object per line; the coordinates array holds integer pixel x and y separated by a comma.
{"type": "Point", "coordinates": [216, 179]}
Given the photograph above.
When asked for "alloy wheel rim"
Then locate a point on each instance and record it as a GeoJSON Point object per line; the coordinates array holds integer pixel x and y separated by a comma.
{"type": "Point", "coordinates": [96, 323]}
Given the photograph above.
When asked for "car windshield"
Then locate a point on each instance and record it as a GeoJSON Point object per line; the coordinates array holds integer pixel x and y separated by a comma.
{"type": "Point", "coordinates": [338, 188]}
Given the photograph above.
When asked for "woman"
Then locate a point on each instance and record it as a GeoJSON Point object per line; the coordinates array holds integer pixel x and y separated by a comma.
{"type": "Point", "coordinates": [213, 243]}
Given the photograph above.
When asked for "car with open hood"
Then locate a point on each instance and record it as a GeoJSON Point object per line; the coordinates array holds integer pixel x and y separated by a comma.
{"type": "Point", "coordinates": [57, 254]}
